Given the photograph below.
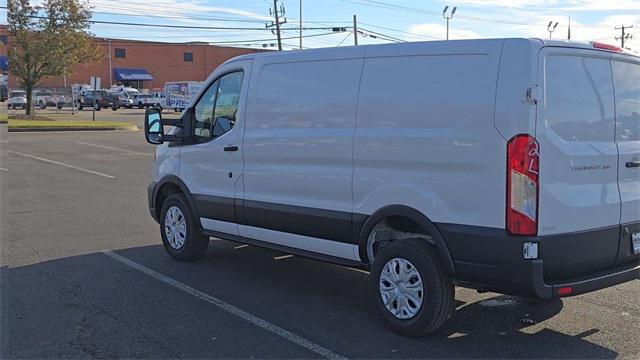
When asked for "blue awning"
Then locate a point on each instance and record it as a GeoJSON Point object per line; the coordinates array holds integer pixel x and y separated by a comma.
{"type": "Point", "coordinates": [4, 63]}
{"type": "Point", "coordinates": [131, 74]}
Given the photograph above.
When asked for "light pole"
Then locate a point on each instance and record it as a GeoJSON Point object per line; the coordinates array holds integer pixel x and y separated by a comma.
{"type": "Point", "coordinates": [110, 70]}
{"type": "Point", "coordinates": [448, 16]}
{"type": "Point", "coordinates": [551, 28]}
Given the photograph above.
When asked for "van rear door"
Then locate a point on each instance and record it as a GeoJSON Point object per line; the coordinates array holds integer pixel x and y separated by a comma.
{"type": "Point", "coordinates": [626, 81]}
{"type": "Point", "coordinates": [578, 162]}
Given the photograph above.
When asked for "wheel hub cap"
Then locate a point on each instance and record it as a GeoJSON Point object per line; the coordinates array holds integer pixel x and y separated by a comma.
{"type": "Point", "coordinates": [175, 227]}
{"type": "Point", "coordinates": [401, 288]}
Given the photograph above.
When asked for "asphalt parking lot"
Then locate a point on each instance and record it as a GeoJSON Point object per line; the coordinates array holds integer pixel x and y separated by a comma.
{"type": "Point", "coordinates": [84, 275]}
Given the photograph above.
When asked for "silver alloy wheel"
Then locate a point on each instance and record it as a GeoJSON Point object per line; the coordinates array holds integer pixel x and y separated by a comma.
{"type": "Point", "coordinates": [401, 288]}
{"type": "Point", "coordinates": [175, 227]}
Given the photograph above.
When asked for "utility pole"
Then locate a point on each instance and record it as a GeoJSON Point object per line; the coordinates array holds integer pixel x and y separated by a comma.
{"type": "Point", "coordinates": [277, 12]}
{"type": "Point", "coordinates": [448, 17]}
{"type": "Point", "coordinates": [355, 30]}
{"type": "Point", "coordinates": [300, 24]}
{"type": "Point", "coordinates": [569, 29]}
{"type": "Point", "coordinates": [551, 28]}
{"type": "Point", "coordinates": [624, 36]}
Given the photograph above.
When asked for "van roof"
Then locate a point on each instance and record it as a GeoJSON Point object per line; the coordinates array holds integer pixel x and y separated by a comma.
{"type": "Point", "coordinates": [432, 45]}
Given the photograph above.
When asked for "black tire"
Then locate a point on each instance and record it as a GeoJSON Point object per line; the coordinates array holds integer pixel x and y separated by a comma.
{"type": "Point", "coordinates": [438, 290]}
{"type": "Point", "coordinates": [114, 108]}
{"type": "Point", "coordinates": [195, 244]}
{"type": "Point", "coordinates": [79, 107]}
{"type": "Point", "coordinates": [42, 105]}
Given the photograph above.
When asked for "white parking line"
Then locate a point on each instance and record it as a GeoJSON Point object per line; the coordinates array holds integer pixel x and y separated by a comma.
{"type": "Point", "coordinates": [272, 328]}
{"type": "Point", "coordinates": [4, 141]}
{"type": "Point", "coordinates": [114, 148]}
{"type": "Point", "coordinates": [282, 257]}
{"type": "Point", "coordinates": [62, 164]}
{"type": "Point", "coordinates": [3, 169]}
{"type": "Point", "coordinates": [240, 247]}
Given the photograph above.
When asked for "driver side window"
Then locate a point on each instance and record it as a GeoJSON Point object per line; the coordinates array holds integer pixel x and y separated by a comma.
{"type": "Point", "coordinates": [215, 113]}
{"type": "Point", "coordinates": [203, 114]}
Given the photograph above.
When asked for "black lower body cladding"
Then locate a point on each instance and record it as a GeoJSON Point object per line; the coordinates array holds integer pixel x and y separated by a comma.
{"type": "Point", "coordinates": [483, 258]}
{"type": "Point", "coordinates": [491, 259]}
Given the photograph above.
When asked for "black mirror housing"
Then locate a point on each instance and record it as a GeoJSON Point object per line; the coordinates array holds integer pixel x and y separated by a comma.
{"type": "Point", "coordinates": [153, 127]}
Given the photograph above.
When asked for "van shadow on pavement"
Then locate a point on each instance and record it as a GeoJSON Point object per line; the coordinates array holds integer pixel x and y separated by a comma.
{"type": "Point", "coordinates": [93, 306]}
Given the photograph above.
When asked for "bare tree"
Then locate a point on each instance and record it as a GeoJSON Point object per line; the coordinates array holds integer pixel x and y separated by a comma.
{"type": "Point", "coordinates": [47, 40]}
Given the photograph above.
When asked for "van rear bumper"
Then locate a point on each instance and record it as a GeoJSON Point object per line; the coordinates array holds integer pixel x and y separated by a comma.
{"type": "Point", "coordinates": [490, 259]}
{"type": "Point", "coordinates": [586, 283]}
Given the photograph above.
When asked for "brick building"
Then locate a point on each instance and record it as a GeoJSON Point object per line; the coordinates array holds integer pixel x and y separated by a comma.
{"type": "Point", "coordinates": [142, 64]}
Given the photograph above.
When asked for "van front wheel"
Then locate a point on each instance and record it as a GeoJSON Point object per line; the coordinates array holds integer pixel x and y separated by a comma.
{"type": "Point", "coordinates": [412, 291]}
{"type": "Point", "coordinates": [181, 236]}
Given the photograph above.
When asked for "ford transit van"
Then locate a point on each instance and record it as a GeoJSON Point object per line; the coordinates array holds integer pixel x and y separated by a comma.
{"type": "Point", "coordinates": [506, 165]}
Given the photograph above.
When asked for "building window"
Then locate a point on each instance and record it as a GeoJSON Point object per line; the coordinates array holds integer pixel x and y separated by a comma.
{"type": "Point", "coordinates": [121, 53]}
{"type": "Point", "coordinates": [188, 57]}
{"type": "Point", "coordinates": [3, 39]}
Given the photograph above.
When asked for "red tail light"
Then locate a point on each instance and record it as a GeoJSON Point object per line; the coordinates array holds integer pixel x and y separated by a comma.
{"type": "Point", "coordinates": [603, 46]}
{"type": "Point", "coordinates": [523, 157]}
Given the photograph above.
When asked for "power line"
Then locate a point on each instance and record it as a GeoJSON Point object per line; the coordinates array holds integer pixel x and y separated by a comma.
{"type": "Point", "coordinates": [389, 6]}
{"type": "Point", "coordinates": [401, 31]}
{"type": "Point", "coordinates": [380, 35]}
{"type": "Point", "coordinates": [126, 42]}
{"type": "Point", "coordinates": [179, 26]}
{"type": "Point", "coordinates": [172, 10]}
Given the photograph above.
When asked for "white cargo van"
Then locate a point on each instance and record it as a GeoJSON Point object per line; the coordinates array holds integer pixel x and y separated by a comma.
{"type": "Point", "coordinates": [509, 165]}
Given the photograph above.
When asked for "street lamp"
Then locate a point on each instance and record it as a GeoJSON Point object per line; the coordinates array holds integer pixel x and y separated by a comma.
{"type": "Point", "coordinates": [448, 16]}
{"type": "Point", "coordinates": [551, 28]}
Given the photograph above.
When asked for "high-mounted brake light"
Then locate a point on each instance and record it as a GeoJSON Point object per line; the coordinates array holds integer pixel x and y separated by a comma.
{"type": "Point", "coordinates": [523, 158]}
{"type": "Point", "coordinates": [603, 46]}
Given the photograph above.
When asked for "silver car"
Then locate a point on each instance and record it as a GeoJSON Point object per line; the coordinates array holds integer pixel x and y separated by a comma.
{"type": "Point", "coordinates": [17, 99]}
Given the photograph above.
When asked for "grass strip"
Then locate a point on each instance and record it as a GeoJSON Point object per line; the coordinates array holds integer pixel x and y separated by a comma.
{"type": "Point", "coordinates": [68, 125]}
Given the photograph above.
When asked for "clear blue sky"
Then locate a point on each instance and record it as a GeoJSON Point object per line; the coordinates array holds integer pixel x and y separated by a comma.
{"type": "Point", "coordinates": [411, 20]}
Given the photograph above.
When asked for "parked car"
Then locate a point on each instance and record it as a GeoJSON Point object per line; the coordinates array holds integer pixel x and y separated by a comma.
{"type": "Point", "coordinates": [124, 90]}
{"type": "Point", "coordinates": [124, 100]}
{"type": "Point", "coordinates": [159, 100]}
{"type": "Point", "coordinates": [493, 164]}
{"type": "Point", "coordinates": [43, 98]}
{"type": "Point", "coordinates": [142, 100]}
{"type": "Point", "coordinates": [3, 93]}
{"type": "Point", "coordinates": [62, 100]}
{"type": "Point", "coordinates": [17, 99]}
{"type": "Point", "coordinates": [96, 98]}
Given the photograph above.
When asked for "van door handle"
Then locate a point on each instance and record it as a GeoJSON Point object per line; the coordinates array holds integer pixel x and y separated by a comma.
{"type": "Point", "coordinates": [231, 148]}
{"type": "Point", "coordinates": [631, 164]}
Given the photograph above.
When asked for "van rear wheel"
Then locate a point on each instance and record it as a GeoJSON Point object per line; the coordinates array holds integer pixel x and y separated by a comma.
{"type": "Point", "coordinates": [412, 291]}
{"type": "Point", "coordinates": [181, 235]}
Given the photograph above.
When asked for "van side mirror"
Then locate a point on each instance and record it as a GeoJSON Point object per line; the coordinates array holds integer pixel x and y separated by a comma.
{"type": "Point", "coordinates": [153, 129]}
